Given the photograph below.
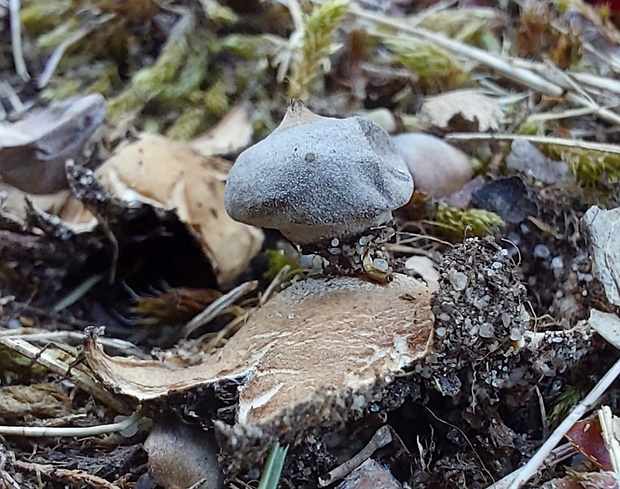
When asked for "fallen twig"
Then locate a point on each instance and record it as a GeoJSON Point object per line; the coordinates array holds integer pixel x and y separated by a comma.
{"type": "Point", "coordinates": [571, 143]}
{"type": "Point", "coordinates": [35, 335]}
{"type": "Point", "coordinates": [536, 462]}
{"type": "Point", "coordinates": [381, 438]}
{"type": "Point", "coordinates": [75, 476]}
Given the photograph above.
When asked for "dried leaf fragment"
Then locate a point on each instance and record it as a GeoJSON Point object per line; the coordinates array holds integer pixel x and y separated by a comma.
{"type": "Point", "coordinates": [603, 230]}
{"type": "Point", "coordinates": [33, 151]}
{"type": "Point", "coordinates": [462, 110]}
{"type": "Point", "coordinates": [170, 175]}
{"type": "Point", "coordinates": [586, 437]}
{"type": "Point", "coordinates": [232, 134]}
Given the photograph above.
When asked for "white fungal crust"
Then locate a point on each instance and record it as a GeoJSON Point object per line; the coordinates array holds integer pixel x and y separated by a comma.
{"type": "Point", "coordinates": [316, 178]}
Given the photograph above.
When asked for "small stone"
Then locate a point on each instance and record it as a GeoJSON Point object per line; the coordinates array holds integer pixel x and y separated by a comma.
{"type": "Point", "coordinates": [458, 280]}
{"type": "Point", "coordinates": [541, 251]}
{"type": "Point", "coordinates": [557, 262]}
{"type": "Point", "coordinates": [381, 264]}
{"type": "Point", "coordinates": [483, 302]}
{"type": "Point", "coordinates": [515, 334]}
{"type": "Point", "coordinates": [486, 330]}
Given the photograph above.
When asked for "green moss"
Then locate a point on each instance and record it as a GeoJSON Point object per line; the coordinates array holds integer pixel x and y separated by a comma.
{"type": "Point", "coordinates": [317, 46]}
{"type": "Point", "coordinates": [428, 63]}
{"type": "Point", "coordinates": [188, 123]}
{"type": "Point", "coordinates": [588, 166]}
{"type": "Point", "coordinates": [456, 224]}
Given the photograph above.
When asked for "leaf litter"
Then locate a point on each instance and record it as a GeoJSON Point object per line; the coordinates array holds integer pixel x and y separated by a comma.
{"type": "Point", "coordinates": [460, 325]}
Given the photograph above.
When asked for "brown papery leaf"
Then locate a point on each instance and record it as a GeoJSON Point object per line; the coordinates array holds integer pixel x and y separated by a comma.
{"type": "Point", "coordinates": [170, 175]}
{"type": "Point", "coordinates": [462, 110]}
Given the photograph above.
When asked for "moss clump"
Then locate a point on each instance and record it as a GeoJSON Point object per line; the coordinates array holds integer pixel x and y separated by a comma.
{"type": "Point", "coordinates": [317, 46]}
{"type": "Point", "coordinates": [456, 224]}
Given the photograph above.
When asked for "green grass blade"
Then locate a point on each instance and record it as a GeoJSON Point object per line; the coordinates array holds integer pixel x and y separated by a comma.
{"type": "Point", "coordinates": [273, 468]}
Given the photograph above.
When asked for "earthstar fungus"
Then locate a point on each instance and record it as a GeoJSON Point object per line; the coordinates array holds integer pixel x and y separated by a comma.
{"type": "Point", "coordinates": [327, 347]}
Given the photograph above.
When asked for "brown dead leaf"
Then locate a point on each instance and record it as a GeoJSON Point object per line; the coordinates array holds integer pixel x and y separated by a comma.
{"type": "Point", "coordinates": [586, 437]}
{"type": "Point", "coordinates": [461, 110]}
{"type": "Point", "coordinates": [33, 150]}
{"type": "Point", "coordinates": [230, 136]}
{"type": "Point", "coordinates": [166, 174]}
{"type": "Point", "coordinates": [301, 356]}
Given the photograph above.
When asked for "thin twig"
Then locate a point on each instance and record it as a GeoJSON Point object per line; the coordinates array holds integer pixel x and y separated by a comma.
{"type": "Point", "coordinates": [558, 455]}
{"type": "Point", "coordinates": [35, 335]}
{"type": "Point", "coordinates": [73, 476]}
{"type": "Point", "coordinates": [6, 480]}
{"type": "Point", "coordinates": [7, 91]}
{"type": "Point", "coordinates": [537, 461]}
{"type": "Point", "coordinates": [565, 114]}
{"type": "Point", "coordinates": [601, 82]}
{"type": "Point", "coordinates": [225, 331]}
{"type": "Point", "coordinates": [275, 283]}
{"type": "Point", "coordinates": [603, 113]}
{"type": "Point", "coordinates": [381, 438]}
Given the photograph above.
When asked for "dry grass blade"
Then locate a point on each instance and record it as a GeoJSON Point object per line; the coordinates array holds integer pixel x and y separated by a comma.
{"type": "Point", "coordinates": [506, 68]}
{"type": "Point", "coordinates": [217, 306]}
{"type": "Point", "coordinates": [570, 143]}
{"type": "Point", "coordinates": [16, 41]}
